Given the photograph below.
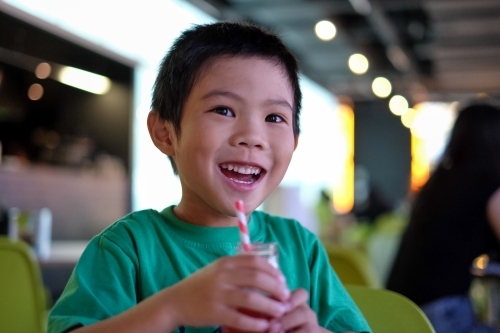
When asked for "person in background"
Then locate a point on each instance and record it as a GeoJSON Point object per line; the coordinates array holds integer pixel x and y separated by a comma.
{"type": "Point", "coordinates": [455, 218]}
{"type": "Point", "coordinates": [226, 108]}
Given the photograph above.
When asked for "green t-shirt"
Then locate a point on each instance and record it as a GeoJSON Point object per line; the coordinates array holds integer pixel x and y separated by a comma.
{"type": "Point", "coordinates": [147, 251]}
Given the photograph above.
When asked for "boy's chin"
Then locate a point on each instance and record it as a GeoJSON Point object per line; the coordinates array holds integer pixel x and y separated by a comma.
{"type": "Point", "coordinates": [250, 205]}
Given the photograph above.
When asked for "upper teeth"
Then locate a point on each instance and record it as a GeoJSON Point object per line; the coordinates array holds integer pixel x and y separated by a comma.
{"type": "Point", "coordinates": [242, 169]}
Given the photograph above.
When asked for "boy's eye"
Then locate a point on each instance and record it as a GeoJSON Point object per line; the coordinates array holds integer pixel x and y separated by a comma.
{"type": "Point", "coordinates": [274, 118]}
{"type": "Point", "coordinates": [224, 111]}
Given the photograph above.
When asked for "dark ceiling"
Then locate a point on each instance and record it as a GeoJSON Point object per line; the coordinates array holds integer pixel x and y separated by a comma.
{"type": "Point", "coordinates": [443, 50]}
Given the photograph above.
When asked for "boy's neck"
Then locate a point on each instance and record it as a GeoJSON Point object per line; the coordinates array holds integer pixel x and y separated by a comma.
{"type": "Point", "coordinates": [206, 219]}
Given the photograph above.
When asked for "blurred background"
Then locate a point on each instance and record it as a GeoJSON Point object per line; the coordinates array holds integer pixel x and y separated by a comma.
{"type": "Point", "coordinates": [382, 82]}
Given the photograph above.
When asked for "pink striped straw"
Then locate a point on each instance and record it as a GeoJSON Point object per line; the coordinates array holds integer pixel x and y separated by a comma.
{"type": "Point", "coordinates": [242, 224]}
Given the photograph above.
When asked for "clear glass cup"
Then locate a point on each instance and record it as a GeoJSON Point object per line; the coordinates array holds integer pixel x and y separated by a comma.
{"type": "Point", "coordinates": [264, 250]}
{"type": "Point", "coordinates": [268, 251]}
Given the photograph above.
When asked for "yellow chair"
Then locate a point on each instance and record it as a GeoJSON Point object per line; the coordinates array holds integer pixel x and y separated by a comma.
{"type": "Point", "coordinates": [22, 295]}
{"type": "Point", "coordinates": [389, 312]}
{"type": "Point", "coordinates": [352, 266]}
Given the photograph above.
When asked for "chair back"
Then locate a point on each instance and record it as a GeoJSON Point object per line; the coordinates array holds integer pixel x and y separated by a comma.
{"type": "Point", "coordinates": [389, 312]}
{"type": "Point", "coordinates": [22, 300]}
{"type": "Point", "coordinates": [352, 266]}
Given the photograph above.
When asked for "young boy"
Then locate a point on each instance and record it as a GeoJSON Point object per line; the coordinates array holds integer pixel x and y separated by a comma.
{"type": "Point", "coordinates": [226, 108]}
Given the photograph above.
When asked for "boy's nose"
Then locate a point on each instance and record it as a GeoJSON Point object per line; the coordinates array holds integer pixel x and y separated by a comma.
{"type": "Point", "coordinates": [249, 135]}
{"type": "Point", "coordinates": [251, 140]}
{"type": "Point", "coordinates": [250, 144]}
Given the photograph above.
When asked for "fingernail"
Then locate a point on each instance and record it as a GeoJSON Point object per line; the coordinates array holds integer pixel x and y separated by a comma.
{"type": "Point", "coordinates": [282, 278]}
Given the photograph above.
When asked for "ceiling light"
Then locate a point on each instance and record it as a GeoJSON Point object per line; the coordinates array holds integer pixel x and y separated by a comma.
{"type": "Point", "coordinates": [398, 105]}
{"type": "Point", "coordinates": [381, 87]}
{"type": "Point", "coordinates": [96, 84]}
{"type": "Point", "coordinates": [409, 117]}
{"type": "Point", "coordinates": [358, 63]}
{"type": "Point", "coordinates": [325, 30]}
{"type": "Point", "coordinates": [35, 92]}
{"type": "Point", "coordinates": [43, 70]}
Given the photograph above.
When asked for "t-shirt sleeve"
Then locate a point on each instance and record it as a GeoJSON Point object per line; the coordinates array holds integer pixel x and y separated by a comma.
{"type": "Point", "coordinates": [333, 305]}
{"type": "Point", "coordinates": [102, 285]}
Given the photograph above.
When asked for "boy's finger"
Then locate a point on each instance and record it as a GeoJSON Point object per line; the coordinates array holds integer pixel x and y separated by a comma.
{"type": "Point", "coordinates": [255, 302]}
{"type": "Point", "coordinates": [251, 278]}
{"type": "Point", "coordinates": [298, 318]}
{"type": "Point", "coordinates": [238, 320]}
{"type": "Point", "coordinates": [298, 297]}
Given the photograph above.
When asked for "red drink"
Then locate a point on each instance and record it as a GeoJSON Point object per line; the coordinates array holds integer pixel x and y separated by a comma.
{"type": "Point", "coordinates": [265, 250]}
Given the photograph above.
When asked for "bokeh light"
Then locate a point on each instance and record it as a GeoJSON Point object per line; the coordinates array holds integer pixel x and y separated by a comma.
{"type": "Point", "coordinates": [43, 70]}
{"type": "Point", "coordinates": [325, 30]}
{"type": "Point", "coordinates": [358, 63]}
{"type": "Point", "coordinates": [35, 92]}
{"type": "Point", "coordinates": [409, 117]}
{"type": "Point", "coordinates": [381, 87]}
{"type": "Point", "coordinates": [398, 105]}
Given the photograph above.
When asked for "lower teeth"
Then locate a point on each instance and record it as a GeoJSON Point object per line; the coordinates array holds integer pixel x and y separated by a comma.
{"type": "Point", "coordinates": [240, 181]}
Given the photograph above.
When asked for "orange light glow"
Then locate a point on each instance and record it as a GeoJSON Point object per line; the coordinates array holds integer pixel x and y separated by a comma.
{"type": "Point", "coordinates": [420, 164]}
{"type": "Point", "coordinates": [343, 189]}
{"type": "Point", "coordinates": [481, 262]}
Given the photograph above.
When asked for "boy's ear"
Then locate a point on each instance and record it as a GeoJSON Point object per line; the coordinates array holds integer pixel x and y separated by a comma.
{"type": "Point", "coordinates": [296, 142]}
{"type": "Point", "coordinates": [162, 133]}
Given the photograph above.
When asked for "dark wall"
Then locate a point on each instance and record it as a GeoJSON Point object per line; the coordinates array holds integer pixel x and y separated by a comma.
{"type": "Point", "coordinates": [383, 146]}
{"type": "Point", "coordinates": [70, 112]}
{"type": "Point", "coordinates": [25, 38]}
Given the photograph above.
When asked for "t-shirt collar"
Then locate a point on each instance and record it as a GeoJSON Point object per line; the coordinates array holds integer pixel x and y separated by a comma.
{"type": "Point", "coordinates": [204, 234]}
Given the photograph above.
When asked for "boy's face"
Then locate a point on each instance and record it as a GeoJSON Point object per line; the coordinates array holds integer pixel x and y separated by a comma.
{"type": "Point", "coordinates": [236, 139]}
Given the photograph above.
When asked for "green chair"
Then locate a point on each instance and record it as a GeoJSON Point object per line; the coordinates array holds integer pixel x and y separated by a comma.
{"type": "Point", "coordinates": [352, 266]}
{"type": "Point", "coordinates": [22, 295]}
{"type": "Point", "coordinates": [389, 312]}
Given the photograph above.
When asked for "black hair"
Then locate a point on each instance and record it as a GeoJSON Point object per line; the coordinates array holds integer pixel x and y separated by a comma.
{"type": "Point", "coordinates": [471, 155]}
{"type": "Point", "coordinates": [196, 47]}
{"type": "Point", "coordinates": [475, 137]}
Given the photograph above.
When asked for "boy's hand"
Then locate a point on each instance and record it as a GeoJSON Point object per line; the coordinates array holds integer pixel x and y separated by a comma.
{"type": "Point", "coordinates": [212, 295]}
{"type": "Point", "coordinates": [299, 318]}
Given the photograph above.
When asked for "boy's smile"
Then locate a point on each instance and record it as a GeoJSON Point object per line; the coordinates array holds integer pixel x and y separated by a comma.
{"type": "Point", "coordinates": [236, 139]}
{"type": "Point", "coordinates": [241, 173]}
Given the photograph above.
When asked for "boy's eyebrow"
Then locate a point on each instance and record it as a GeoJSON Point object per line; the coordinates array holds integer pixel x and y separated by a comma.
{"type": "Point", "coordinates": [280, 102]}
{"type": "Point", "coordinates": [222, 93]}
{"type": "Point", "coordinates": [225, 93]}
